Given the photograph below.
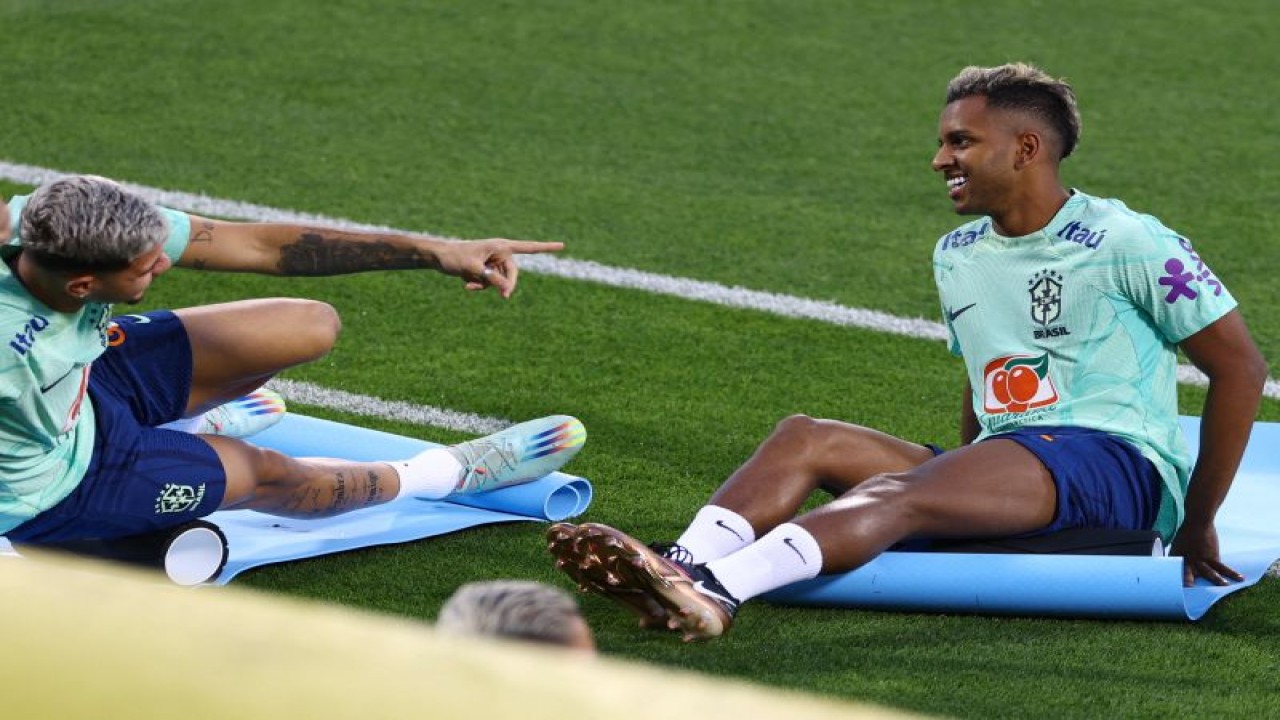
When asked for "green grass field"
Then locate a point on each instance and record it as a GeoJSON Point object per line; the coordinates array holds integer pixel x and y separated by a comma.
{"type": "Point", "coordinates": [778, 146]}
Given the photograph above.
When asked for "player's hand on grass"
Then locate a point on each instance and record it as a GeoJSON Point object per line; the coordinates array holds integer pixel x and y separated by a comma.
{"type": "Point", "coordinates": [489, 263]}
{"type": "Point", "coordinates": [1197, 545]}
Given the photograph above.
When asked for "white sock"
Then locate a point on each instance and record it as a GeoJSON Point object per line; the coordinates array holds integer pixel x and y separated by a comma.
{"type": "Point", "coordinates": [787, 554]}
{"type": "Point", "coordinates": [432, 474]}
{"type": "Point", "coordinates": [716, 532]}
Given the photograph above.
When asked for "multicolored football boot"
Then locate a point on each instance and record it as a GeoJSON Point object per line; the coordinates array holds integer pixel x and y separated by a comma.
{"type": "Point", "coordinates": [519, 454]}
{"type": "Point", "coordinates": [243, 416]}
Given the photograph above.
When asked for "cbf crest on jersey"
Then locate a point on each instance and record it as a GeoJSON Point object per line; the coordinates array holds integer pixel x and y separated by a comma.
{"type": "Point", "coordinates": [1045, 288]}
{"type": "Point", "coordinates": [1046, 296]}
{"type": "Point", "coordinates": [176, 498]}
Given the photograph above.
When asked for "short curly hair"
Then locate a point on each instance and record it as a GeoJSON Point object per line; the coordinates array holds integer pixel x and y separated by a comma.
{"type": "Point", "coordinates": [88, 223]}
{"type": "Point", "coordinates": [1023, 87]}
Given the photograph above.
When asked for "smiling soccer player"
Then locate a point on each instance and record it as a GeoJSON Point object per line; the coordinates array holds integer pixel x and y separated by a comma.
{"type": "Point", "coordinates": [1067, 310]}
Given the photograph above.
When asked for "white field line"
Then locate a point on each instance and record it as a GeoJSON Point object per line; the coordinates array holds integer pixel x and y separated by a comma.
{"type": "Point", "coordinates": [306, 393]}
{"type": "Point", "coordinates": [688, 289]}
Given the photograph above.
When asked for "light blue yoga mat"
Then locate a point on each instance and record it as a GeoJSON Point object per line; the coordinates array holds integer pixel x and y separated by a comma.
{"type": "Point", "coordinates": [1074, 585]}
{"type": "Point", "coordinates": [255, 539]}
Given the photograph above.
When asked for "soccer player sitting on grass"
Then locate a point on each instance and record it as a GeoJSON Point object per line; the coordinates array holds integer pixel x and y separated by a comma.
{"type": "Point", "coordinates": [81, 393]}
{"type": "Point", "coordinates": [1068, 310]}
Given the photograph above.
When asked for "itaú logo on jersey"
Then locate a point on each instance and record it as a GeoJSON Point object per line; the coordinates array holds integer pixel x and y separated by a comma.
{"type": "Point", "coordinates": [1017, 383]}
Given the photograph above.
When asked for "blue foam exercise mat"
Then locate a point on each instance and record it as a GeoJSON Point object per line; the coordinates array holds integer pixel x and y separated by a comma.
{"type": "Point", "coordinates": [255, 539]}
{"type": "Point", "coordinates": [1074, 585]}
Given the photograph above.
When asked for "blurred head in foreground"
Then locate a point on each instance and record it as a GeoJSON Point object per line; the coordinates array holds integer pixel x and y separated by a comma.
{"type": "Point", "coordinates": [516, 609]}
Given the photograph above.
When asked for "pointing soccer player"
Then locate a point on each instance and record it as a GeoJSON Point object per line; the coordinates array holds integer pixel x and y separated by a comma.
{"type": "Point", "coordinates": [82, 394]}
{"type": "Point", "coordinates": [1067, 310]}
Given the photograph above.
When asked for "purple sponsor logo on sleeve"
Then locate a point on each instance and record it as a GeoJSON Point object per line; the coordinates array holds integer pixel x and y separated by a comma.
{"type": "Point", "coordinates": [1180, 279]}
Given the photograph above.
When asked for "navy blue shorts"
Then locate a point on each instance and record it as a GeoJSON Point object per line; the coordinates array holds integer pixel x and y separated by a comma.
{"type": "Point", "coordinates": [141, 478]}
{"type": "Point", "coordinates": [1102, 481]}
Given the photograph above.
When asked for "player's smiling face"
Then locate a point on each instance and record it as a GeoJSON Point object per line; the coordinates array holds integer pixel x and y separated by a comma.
{"type": "Point", "coordinates": [976, 154]}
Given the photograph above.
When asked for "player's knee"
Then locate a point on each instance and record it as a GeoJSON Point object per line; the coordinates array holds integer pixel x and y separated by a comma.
{"type": "Point", "coordinates": [314, 327]}
{"type": "Point", "coordinates": [820, 439]}
{"type": "Point", "coordinates": [796, 428]}
{"type": "Point", "coordinates": [794, 437]}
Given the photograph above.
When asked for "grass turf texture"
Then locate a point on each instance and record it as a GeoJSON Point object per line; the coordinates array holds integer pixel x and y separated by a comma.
{"type": "Point", "coordinates": [779, 146]}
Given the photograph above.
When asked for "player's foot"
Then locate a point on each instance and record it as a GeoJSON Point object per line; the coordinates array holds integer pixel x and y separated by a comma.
{"type": "Point", "coordinates": [243, 416]}
{"type": "Point", "coordinates": [662, 588]}
{"type": "Point", "coordinates": [519, 454]}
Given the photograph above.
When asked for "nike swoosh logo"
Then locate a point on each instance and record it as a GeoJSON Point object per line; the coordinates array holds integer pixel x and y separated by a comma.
{"type": "Point", "coordinates": [720, 524]}
{"type": "Point", "coordinates": [54, 384]}
{"type": "Point", "coordinates": [796, 550]}
{"type": "Point", "coordinates": [703, 589]}
{"type": "Point", "coordinates": [140, 319]}
{"type": "Point", "coordinates": [953, 314]}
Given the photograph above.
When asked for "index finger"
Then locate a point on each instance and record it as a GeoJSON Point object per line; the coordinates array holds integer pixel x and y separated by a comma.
{"type": "Point", "coordinates": [526, 247]}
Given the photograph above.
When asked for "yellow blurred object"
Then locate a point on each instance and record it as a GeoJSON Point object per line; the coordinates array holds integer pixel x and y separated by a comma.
{"type": "Point", "coordinates": [94, 641]}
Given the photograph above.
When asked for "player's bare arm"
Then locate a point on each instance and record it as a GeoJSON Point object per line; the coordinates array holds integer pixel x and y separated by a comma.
{"type": "Point", "coordinates": [1225, 352]}
{"type": "Point", "coordinates": [285, 249]}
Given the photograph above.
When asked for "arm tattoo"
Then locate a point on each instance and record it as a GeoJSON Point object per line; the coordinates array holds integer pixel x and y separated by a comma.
{"type": "Point", "coordinates": [314, 254]}
{"type": "Point", "coordinates": [204, 234]}
{"type": "Point", "coordinates": [200, 245]}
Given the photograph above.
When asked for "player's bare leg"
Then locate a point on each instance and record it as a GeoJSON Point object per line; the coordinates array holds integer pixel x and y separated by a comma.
{"type": "Point", "coordinates": [987, 489]}
{"type": "Point", "coordinates": [272, 482]}
{"type": "Point", "coordinates": [804, 454]}
{"type": "Point", "coordinates": [991, 488]}
{"type": "Point", "coordinates": [238, 346]}
{"type": "Point", "coordinates": [269, 481]}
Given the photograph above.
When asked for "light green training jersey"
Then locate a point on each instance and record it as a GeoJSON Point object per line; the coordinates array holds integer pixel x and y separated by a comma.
{"type": "Point", "coordinates": [46, 419]}
{"type": "Point", "coordinates": [1077, 324]}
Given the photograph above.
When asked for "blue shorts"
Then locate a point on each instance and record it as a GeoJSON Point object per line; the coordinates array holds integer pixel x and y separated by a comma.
{"type": "Point", "coordinates": [1102, 481]}
{"type": "Point", "coordinates": [141, 478]}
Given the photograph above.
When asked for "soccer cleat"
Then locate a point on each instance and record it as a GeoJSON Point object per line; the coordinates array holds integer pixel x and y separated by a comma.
{"type": "Point", "coordinates": [663, 590]}
{"type": "Point", "coordinates": [575, 559]}
{"type": "Point", "coordinates": [519, 454]}
{"type": "Point", "coordinates": [243, 416]}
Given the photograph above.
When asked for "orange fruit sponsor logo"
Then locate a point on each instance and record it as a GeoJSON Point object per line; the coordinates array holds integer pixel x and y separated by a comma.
{"type": "Point", "coordinates": [1017, 383]}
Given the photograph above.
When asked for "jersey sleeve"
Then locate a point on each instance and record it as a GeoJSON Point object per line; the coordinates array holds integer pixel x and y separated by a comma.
{"type": "Point", "coordinates": [1170, 280]}
{"type": "Point", "coordinates": [15, 215]}
{"type": "Point", "coordinates": [179, 232]}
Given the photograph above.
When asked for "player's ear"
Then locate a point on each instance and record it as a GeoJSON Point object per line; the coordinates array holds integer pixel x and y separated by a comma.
{"type": "Point", "coordinates": [79, 286]}
{"type": "Point", "coordinates": [1028, 148]}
